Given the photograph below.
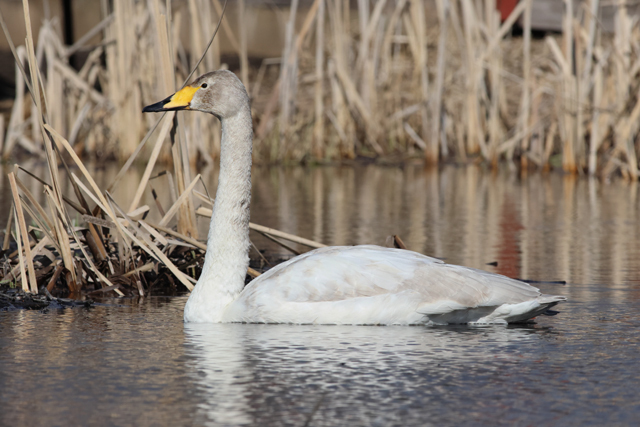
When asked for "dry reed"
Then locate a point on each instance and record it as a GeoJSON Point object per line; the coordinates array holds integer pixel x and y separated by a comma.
{"type": "Point", "coordinates": [116, 250]}
{"type": "Point", "coordinates": [381, 79]}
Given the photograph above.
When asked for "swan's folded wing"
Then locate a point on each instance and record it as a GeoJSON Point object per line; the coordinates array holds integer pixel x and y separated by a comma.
{"type": "Point", "coordinates": [356, 274]}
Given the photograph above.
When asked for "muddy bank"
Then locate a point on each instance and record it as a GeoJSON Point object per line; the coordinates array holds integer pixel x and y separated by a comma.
{"type": "Point", "coordinates": [15, 299]}
{"type": "Point", "coordinates": [161, 284]}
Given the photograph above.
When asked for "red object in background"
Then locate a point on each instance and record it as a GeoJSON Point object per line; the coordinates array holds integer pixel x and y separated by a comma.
{"type": "Point", "coordinates": [506, 7]}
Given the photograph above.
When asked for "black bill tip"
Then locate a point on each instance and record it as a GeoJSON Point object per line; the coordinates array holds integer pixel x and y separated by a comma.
{"type": "Point", "coordinates": [157, 107]}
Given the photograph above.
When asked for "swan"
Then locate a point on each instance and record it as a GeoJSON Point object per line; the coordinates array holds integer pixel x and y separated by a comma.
{"type": "Point", "coordinates": [363, 285]}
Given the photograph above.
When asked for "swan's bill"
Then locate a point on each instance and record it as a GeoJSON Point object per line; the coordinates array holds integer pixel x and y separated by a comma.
{"type": "Point", "coordinates": [178, 101]}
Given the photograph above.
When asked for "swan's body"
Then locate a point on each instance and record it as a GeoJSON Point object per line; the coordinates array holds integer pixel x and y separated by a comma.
{"type": "Point", "coordinates": [333, 285]}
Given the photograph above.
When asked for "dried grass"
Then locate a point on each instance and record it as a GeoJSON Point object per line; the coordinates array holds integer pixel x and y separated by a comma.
{"type": "Point", "coordinates": [381, 80]}
{"type": "Point", "coordinates": [116, 250]}
{"type": "Point", "coordinates": [478, 93]}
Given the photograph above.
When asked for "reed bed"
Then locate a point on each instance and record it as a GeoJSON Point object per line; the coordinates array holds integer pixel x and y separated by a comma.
{"type": "Point", "coordinates": [438, 79]}
{"type": "Point", "coordinates": [115, 249]}
{"type": "Point", "coordinates": [375, 81]}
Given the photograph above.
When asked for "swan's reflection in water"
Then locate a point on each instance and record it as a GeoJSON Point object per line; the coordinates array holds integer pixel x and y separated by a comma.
{"type": "Point", "coordinates": [278, 374]}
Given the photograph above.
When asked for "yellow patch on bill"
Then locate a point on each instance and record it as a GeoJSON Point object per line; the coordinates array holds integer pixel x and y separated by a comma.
{"type": "Point", "coordinates": [182, 98]}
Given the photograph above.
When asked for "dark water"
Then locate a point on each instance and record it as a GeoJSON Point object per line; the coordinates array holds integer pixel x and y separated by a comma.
{"type": "Point", "coordinates": [137, 364]}
{"type": "Point", "coordinates": [133, 362]}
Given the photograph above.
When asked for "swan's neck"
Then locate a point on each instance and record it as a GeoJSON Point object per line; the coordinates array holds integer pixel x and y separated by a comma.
{"type": "Point", "coordinates": [227, 257]}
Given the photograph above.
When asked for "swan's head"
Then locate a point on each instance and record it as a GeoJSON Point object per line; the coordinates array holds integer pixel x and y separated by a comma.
{"type": "Point", "coordinates": [220, 93]}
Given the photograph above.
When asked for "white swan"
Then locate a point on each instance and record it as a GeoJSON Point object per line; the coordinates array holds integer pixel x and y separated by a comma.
{"type": "Point", "coordinates": [333, 285]}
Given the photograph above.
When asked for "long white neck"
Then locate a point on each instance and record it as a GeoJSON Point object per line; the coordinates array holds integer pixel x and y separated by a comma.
{"type": "Point", "coordinates": [227, 257]}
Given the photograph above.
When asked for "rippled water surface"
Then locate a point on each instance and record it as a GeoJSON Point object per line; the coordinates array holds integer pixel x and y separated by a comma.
{"type": "Point", "coordinates": [133, 361]}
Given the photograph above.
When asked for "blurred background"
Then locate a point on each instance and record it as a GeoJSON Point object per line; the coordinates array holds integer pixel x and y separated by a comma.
{"type": "Point", "coordinates": [539, 84]}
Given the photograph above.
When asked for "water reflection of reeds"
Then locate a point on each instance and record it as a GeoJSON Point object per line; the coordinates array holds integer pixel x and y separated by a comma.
{"type": "Point", "coordinates": [542, 227]}
{"type": "Point", "coordinates": [539, 227]}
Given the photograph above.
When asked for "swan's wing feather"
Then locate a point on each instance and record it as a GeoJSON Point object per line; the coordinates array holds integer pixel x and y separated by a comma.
{"type": "Point", "coordinates": [350, 278]}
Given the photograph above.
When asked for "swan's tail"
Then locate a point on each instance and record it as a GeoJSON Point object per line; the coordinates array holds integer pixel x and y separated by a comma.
{"type": "Point", "coordinates": [544, 304]}
{"type": "Point", "coordinates": [550, 300]}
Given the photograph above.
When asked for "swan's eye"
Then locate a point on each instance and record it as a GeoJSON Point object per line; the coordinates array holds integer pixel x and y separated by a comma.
{"type": "Point", "coordinates": [204, 86]}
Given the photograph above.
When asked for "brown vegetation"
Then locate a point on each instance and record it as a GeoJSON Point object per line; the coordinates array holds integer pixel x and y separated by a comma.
{"type": "Point", "coordinates": [117, 250]}
{"type": "Point", "coordinates": [369, 82]}
{"type": "Point", "coordinates": [378, 80]}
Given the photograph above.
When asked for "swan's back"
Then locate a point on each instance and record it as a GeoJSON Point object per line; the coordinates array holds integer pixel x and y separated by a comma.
{"type": "Point", "coordinates": [376, 285]}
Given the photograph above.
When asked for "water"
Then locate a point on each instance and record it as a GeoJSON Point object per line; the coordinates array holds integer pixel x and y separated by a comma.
{"type": "Point", "coordinates": [133, 362]}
